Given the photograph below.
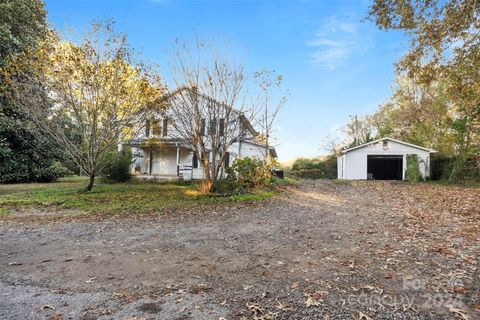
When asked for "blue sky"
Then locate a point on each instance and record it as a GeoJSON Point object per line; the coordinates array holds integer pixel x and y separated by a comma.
{"type": "Point", "coordinates": [333, 64]}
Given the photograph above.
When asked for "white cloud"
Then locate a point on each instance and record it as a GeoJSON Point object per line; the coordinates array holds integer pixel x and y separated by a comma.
{"type": "Point", "coordinates": [336, 41]}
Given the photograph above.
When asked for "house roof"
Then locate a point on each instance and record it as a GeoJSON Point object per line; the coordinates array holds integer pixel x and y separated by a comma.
{"type": "Point", "coordinates": [390, 139]}
{"type": "Point", "coordinates": [248, 125]}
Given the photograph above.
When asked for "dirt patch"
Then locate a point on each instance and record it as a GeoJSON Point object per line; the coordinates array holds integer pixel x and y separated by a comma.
{"type": "Point", "coordinates": [324, 250]}
{"type": "Point", "coordinates": [150, 308]}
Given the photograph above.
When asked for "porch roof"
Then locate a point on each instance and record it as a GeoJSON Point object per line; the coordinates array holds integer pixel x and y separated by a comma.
{"type": "Point", "coordinates": [153, 142]}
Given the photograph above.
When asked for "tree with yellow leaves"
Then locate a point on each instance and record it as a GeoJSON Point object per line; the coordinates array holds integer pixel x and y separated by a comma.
{"type": "Point", "coordinates": [86, 98]}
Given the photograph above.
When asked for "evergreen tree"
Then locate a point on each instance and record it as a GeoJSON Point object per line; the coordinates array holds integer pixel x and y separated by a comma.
{"type": "Point", "coordinates": [22, 156]}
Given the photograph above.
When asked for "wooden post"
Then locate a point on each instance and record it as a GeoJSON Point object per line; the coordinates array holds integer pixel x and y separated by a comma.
{"type": "Point", "coordinates": [150, 158]}
{"type": "Point", "coordinates": [178, 154]}
{"type": "Point", "coordinates": [178, 160]}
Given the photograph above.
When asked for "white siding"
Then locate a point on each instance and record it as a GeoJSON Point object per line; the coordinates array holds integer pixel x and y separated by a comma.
{"type": "Point", "coordinates": [248, 149]}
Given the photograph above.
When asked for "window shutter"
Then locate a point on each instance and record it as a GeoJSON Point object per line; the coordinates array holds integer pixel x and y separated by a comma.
{"type": "Point", "coordinates": [221, 127]}
{"type": "Point", "coordinates": [194, 161]}
{"type": "Point", "coordinates": [165, 127]}
{"type": "Point", "coordinates": [202, 127]}
{"type": "Point", "coordinates": [147, 128]}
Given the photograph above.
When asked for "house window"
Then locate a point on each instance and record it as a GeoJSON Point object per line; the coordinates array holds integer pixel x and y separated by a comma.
{"type": "Point", "coordinates": [194, 161]}
{"type": "Point", "coordinates": [156, 129]}
{"type": "Point", "coordinates": [221, 127]}
{"type": "Point", "coordinates": [147, 128]}
{"type": "Point", "coordinates": [213, 127]}
{"type": "Point", "coordinates": [202, 127]}
{"type": "Point", "coordinates": [385, 144]}
{"type": "Point", "coordinates": [165, 127]}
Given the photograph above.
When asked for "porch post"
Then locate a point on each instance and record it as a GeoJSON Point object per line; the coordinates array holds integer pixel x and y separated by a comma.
{"type": "Point", "coordinates": [178, 154]}
{"type": "Point", "coordinates": [150, 156]}
{"type": "Point", "coordinates": [178, 160]}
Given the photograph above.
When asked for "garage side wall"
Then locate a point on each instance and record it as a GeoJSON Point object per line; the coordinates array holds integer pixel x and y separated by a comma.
{"type": "Point", "coordinates": [355, 161]}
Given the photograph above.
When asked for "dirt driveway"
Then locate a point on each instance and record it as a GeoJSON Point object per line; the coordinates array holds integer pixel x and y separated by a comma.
{"type": "Point", "coordinates": [324, 250]}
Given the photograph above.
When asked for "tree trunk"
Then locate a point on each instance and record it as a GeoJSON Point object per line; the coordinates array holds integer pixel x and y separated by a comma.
{"type": "Point", "coordinates": [90, 182]}
{"type": "Point", "coordinates": [207, 186]}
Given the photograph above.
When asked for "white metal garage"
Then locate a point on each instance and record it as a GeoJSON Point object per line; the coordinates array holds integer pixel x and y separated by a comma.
{"type": "Point", "coordinates": [383, 159]}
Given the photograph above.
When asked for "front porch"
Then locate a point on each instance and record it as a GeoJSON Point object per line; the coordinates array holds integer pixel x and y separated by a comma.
{"type": "Point", "coordinates": [166, 161]}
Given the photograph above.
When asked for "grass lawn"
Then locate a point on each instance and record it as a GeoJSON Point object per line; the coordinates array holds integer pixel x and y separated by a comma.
{"type": "Point", "coordinates": [66, 196]}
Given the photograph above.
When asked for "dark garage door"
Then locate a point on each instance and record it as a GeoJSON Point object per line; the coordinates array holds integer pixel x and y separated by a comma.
{"type": "Point", "coordinates": [385, 167]}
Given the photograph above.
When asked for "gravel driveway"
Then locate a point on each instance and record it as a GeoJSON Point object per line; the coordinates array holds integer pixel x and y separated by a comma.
{"type": "Point", "coordinates": [323, 250]}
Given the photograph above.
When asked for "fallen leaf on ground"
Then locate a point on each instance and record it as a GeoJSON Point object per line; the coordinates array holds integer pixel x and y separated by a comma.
{"type": "Point", "coordinates": [269, 316]}
{"type": "Point", "coordinates": [363, 316]}
{"type": "Point", "coordinates": [90, 280]}
{"type": "Point", "coordinates": [282, 306]}
{"type": "Point", "coordinates": [47, 306]}
{"type": "Point", "coordinates": [311, 302]}
{"type": "Point", "coordinates": [255, 308]}
{"type": "Point", "coordinates": [460, 312]}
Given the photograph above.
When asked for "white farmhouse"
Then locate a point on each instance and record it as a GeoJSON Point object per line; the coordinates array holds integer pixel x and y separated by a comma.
{"type": "Point", "coordinates": [383, 159]}
{"type": "Point", "coordinates": [159, 152]}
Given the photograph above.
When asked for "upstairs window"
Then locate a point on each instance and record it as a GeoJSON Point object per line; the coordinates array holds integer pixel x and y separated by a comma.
{"type": "Point", "coordinates": [385, 144]}
{"type": "Point", "coordinates": [212, 130]}
{"type": "Point", "coordinates": [156, 128]}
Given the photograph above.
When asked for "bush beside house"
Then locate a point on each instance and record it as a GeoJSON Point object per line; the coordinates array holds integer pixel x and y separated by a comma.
{"type": "Point", "coordinates": [244, 175]}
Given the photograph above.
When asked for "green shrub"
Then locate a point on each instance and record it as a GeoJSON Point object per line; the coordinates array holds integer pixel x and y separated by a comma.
{"type": "Point", "coordinates": [251, 172]}
{"type": "Point", "coordinates": [286, 181]}
{"type": "Point", "coordinates": [413, 169]}
{"type": "Point", "coordinates": [119, 168]}
{"type": "Point", "coordinates": [441, 167]}
{"type": "Point", "coordinates": [230, 187]}
{"type": "Point", "coordinates": [304, 163]}
{"type": "Point", "coordinates": [308, 174]}
{"type": "Point", "coordinates": [328, 167]}
{"type": "Point", "coordinates": [51, 173]}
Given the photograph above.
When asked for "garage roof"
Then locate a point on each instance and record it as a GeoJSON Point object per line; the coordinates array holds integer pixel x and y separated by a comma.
{"type": "Point", "coordinates": [390, 139]}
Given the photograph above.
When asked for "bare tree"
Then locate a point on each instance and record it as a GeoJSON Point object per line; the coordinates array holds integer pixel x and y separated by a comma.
{"type": "Point", "coordinates": [85, 97]}
{"type": "Point", "coordinates": [268, 81]}
{"type": "Point", "coordinates": [359, 131]}
{"type": "Point", "coordinates": [208, 111]}
{"type": "Point", "coordinates": [331, 145]}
